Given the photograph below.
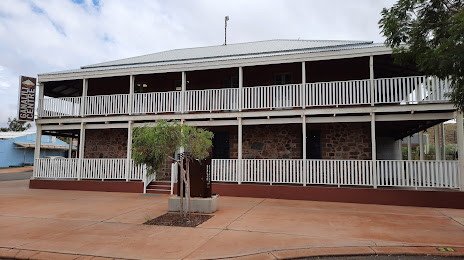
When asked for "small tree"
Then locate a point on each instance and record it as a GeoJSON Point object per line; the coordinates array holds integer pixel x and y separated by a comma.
{"type": "Point", "coordinates": [15, 126]}
{"type": "Point", "coordinates": [156, 145]}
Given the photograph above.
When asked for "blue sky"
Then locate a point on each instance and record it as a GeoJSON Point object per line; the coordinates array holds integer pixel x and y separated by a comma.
{"type": "Point", "coordinates": [39, 36]}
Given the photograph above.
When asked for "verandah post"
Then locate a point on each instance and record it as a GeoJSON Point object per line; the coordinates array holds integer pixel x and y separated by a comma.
{"type": "Point", "coordinates": [240, 88]}
{"type": "Point", "coordinates": [371, 78]}
{"type": "Point", "coordinates": [84, 95]}
{"type": "Point", "coordinates": [303, 85]}
{"type": "Point", "coordinates": [239, 152]}
{"type": "Point", "coordinates": [131, 95]}
{"type": "Point", "coordinates": [304, 155]}
{"type": "Point", "coordinates": [374, 151]}
{"type": "Point", "coordinates": [421, 145]}
{"type": "Point", "coordinates": [182, 94]}
{"type": "Point", "coordinates": [436, 133]}
{"type": "Point", "coordinates": [129, 150]}
{"type": "Point", "coordinates": [40, 108]}
{"type": "Point", "coordinates": [38, 142]}
{"type": "Point", "coordinates": [81, 151]}
{"type": "Point", "coordinates": [409, 148]}
{"type": "Point", "coordinates": [460, 133]}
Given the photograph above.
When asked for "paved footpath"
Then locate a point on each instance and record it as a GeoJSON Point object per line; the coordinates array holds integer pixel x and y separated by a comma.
{"type": "Point", "coordinates": [54, 224]}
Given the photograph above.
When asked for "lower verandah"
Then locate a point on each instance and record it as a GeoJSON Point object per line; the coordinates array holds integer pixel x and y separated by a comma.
{"type": "Point", "coordinates": [338, 154]}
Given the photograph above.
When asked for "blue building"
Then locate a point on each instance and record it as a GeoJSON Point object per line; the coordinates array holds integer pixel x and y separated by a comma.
{"type": "Point", "coordinates": [17, 148]}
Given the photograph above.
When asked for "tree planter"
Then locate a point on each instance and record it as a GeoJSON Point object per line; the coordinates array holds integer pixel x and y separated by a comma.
{"type": "Point", "coordinates": [198, 205]}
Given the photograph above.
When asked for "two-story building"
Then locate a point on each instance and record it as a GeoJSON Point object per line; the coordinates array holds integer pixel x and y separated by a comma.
{"type": "Point", "coordinates": [285, 113]}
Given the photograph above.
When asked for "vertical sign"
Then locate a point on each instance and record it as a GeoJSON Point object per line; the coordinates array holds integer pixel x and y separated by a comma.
{"type": "Point", "coordinates": [26, 104]}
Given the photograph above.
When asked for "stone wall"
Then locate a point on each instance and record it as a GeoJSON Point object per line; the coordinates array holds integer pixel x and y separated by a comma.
{"type": "Point", "coordinates": [105, 143]}
{"type": "Point", "coordinates": [272, 141]}
{"type": "Point", "coordinates": [346, 141]}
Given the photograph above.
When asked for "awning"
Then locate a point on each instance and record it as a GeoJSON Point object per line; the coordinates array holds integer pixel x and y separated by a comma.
{"type": "Point", "coordinates": [45, 146]}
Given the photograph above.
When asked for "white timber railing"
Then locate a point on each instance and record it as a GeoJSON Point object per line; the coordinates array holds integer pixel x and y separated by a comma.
{"type": "Point", "coordinates": [107, 105]}
{"type": "Point", "coordinates": [95, 169]}
{"type": "Point", "coordinates": [60, 107]}
{"type": "Point", "coordinates": [352, 92]}
{"type": "Point", "coordinates": [436, 174]}
{"type": "Point", "coordinates": [410, 90]}
{"type": "Point", "coordinates": [157, 102]}
{"type": "Point", "coordinates": [276, 96]}
{"type": "Point", "coordinates": [394, 173]}
{"type": "Point", "coordinates": [401, 91]}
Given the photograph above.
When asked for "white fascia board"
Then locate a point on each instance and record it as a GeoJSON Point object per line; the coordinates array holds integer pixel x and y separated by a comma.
{"type": "Point", "coordinates": [239, 62]}
{"type": "Point", "coordinates": [271, 113]}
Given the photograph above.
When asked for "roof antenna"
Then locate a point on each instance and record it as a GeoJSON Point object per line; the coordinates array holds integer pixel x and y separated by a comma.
{"type": "Point", "coordinates": [225, 29]}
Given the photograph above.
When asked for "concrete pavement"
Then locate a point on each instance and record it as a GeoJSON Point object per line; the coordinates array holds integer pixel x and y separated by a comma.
{"type": "Point", "coordinates": [18, 173]}
{"type": "Point", "coordinates": [56, 224]}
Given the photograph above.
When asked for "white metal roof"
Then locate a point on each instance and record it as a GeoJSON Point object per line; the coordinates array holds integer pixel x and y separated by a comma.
{"type": "Point", "coordinates": [225, 52]}
{"type": "Point", "coordinates": [238, 49]}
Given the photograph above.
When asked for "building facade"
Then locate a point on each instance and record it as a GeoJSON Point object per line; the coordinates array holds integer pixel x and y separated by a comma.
{"type": "Point", "coordinates": [289, 112]}
{"type": "Point", "coordinates": [17, 148]}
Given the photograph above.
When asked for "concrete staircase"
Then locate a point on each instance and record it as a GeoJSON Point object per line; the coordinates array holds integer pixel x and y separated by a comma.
{"type": "Point", "coordinates": [159, 187]}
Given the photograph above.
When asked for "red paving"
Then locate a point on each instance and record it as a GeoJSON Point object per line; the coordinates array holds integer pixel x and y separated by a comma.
{"type": "Point", "coordinates": [58, 224]}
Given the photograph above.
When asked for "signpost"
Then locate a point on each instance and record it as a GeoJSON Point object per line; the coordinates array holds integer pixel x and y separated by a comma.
{"type": "Point", "coordinates": [26, 106]}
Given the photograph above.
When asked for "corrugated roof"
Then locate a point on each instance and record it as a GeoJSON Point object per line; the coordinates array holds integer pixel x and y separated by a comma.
{"type": "Point", "coordinates": [238, 49]}
{"type": "Point", "coordinates": [226, 52]}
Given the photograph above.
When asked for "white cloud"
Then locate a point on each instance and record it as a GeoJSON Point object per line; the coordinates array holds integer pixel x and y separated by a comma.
{"type": "Point", "coordinates": [39, 36]}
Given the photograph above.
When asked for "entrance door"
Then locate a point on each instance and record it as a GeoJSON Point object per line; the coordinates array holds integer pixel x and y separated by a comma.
{"type": "Point", "coordinates": [221, 146]}
{"type": "Point", "coordinates": [313, 144]}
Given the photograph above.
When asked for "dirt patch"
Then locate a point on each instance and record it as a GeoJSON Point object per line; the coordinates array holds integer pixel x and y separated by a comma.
{"type": "Point", "coordinates": [174, 219]}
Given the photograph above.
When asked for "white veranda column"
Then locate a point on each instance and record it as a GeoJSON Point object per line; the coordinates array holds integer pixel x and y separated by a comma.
{"type": "Point", "coordinates": [183, 101]}
{"type": "Point", "coordinates": [421, 145]}
{"type": "Point", "coordinates": [371, 78]}
{"type": "Point", "coordinates": [40, 108]}
{"type": "Point", "coordinates": [240, 88]}
{"type": "Point", "coordinates": [81, 151]}
{"type": "Point", "coordinates": [131, 94]}
{"type": "Point", "coordinates": [460, 133]}
{"type": "Point", "coordinates": [239, 152]}
{"type": "Point", "coordinates": [443, 148]}
{"type": "Point", "coordinates": [436, 135]}
{"type": "Point", "coordinates": [70, 140]}
{"type": "Point", "coordinates": [374, 151]}
{"type": "Point", "coordinates": [409, 148]}
{"type": "Point", "coordinates": [303, 85]}
{"type": "Point", "coordinates": [304, 155]}
{"type": "Point", "coordinates": [129, 150]}
{"type": "Point", "coordinates": [85, 84]}
{"type": "Point", "coordinates": [38, 142]}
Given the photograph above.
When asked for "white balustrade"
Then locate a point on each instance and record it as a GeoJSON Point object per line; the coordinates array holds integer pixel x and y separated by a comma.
{"type": "Point", "coordinates": [50, 168]}
{"type": "Point", "coordinates": [211, 100]}
{"type": "Point", "coordinates": [276, 96]}
{"type": "Point", "coordinates": [60, 107]}
{"type": "Point", "coordinates": [224, 170]}
{"type": "Point", "coordinates": [410, 90]}
{"type": "Point", "coordinates": [400, 90]}
{"type": "Point", "coordinates": [157, 102]}
{"type": "Point", "coordinates": [107, 105]}
{"type": "Point", "coordinates": [99, 169]}
{"type": "Point", "coordinates": [339, 172]}
{"type": "Point", "coordinates": [351, 92]}
{"type": "Point", "coordinates": [438, 174]}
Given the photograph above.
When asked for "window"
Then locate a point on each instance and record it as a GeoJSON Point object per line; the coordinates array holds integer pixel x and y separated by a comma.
{"type": "Point", "coordinates": [282, 78]}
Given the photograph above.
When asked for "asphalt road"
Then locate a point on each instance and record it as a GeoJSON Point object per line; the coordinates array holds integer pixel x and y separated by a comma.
{"type": "Point", "coordinates": [384, 257]}
{"type": "Point", "coordinates": [14, 176]}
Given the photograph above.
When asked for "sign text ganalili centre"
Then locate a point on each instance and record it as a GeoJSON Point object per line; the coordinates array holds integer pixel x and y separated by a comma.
{"type": "Point", "coordinates": [26, 99]}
